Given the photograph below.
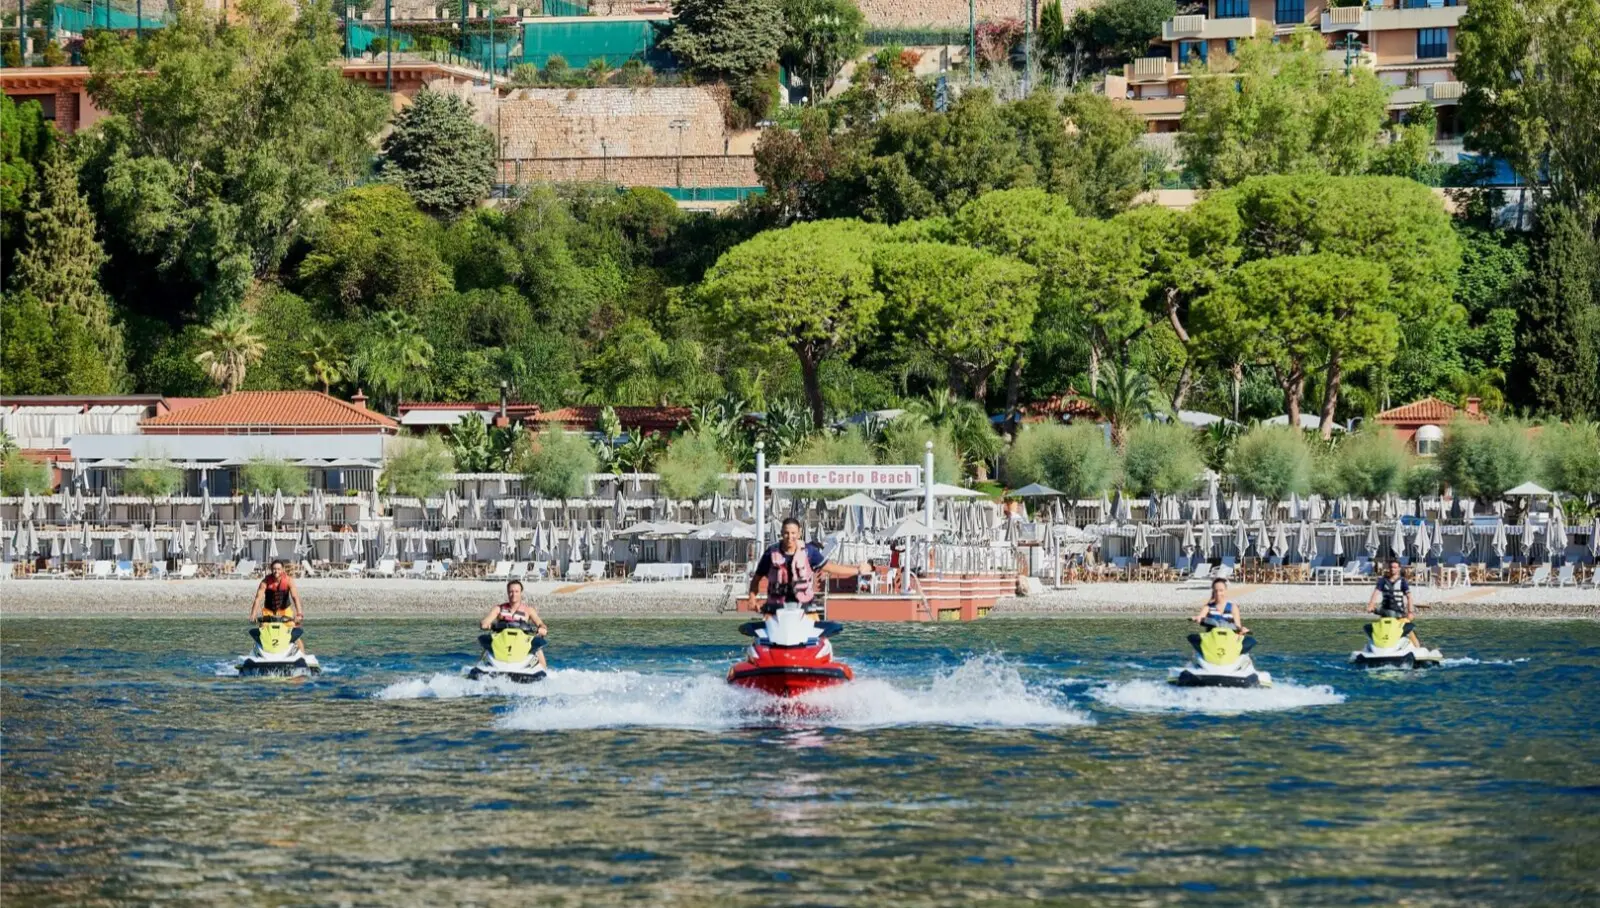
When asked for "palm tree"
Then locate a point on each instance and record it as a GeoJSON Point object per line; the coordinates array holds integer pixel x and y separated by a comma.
{"type": "Point", "coordinates": [970, 431]}
{"type": "Point", "coordinates": [324, 363]}
{"type": "Point", "coordinates": [229, 347]}
{"type": "Point", "coordinates": [1125, 396]}
{"type": "Point", "coordinates": [394, 358]}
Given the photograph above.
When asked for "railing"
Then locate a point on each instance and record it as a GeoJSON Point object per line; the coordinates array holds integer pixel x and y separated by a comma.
{"type": "Point", "coordinates": [1345, 15]}
{"type": "Point", "coordinates": [1145, 68]}
{"type": "Point", "coordinates": [1188, 25]}
{"type": "Point", "coordinates": [1445, 91]}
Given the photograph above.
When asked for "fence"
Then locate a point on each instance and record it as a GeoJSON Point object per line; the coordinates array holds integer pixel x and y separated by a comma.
{"type": "Point", "coordinates": [580, 42]}
{"type": "Point", "coordinates": [70, 17]}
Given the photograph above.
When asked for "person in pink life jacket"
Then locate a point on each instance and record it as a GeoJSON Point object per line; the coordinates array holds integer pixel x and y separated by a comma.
{"type": "Point", "coordinates": [791, 569]}
{"type": "Point", "coordinates": [513, 611]}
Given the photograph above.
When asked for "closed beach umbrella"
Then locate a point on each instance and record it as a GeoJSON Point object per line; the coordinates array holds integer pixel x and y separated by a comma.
{"type": "Point", "coordinates": [1338, 543]}
{"type": "Point", "coordinates": [507, 540]}
{"type": "Point", "coordinates": [347, 548]}
{"type": "Point", "coordinates": [1499, 543]}
{"type": "Point", "coordinates": [1262, 541]}
{"type": "Point", "coordinates": [1206, 542]}
{"type": "Point", "coordinates": [1557, 536]}
{"type": "Point", "coordinates": [1141, 540]}
{"type": "Point", "coordinates": [104, 507]}
{"type": "Point", "coordinates": [472, 546]}
{"type": "Point", "coordinates": [1397, 539]}
{"type": "Point", "coordinates": [138, 553]}
{"type": "Point", "coordinates": [199, 543]}
{"type": "Point", "coordinates": [1255, 508]}
{"type": "Point", "coordinates": [1527, 536]}
{"type": "Point", "coordinates": [474, 503]}
{"type": "Point", "coordinates": [1239, 541]}
{"type": "Point", "coordinates": [1305, 542]}
{"type": "Point", "coordinates": [213, 546]}
{"type": "Point", "coordinates": [25, 511]}
{"type": "Point", "coordinates": [1372, 540]}
{"type": "Point", "coordinates": [277, 506]}
{"type": "Point", "coordinates": [1594, 536]}
{"type": "Point", "coordinates": [18, 541]}
{"type": "Point", "coordinates": [1280, 542]}
{"type": "Point", "coordinates": [1188, 540]}
{"type": "Point", "coordinates": [1438, 538]}
{"type": "Point", "coordinates": [205, 498]}
{"type": "Point", "coordinates": [1105, 508]}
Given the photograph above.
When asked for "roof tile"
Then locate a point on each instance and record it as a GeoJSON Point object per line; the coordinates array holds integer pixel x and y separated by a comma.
{"type": "Point", "coordinates": [1427, 410]}
{"type": "Point", "coordinates": [272, 409]}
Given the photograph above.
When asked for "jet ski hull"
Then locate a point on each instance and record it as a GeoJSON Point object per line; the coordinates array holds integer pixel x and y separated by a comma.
{"type": "Point", "coordinates": [258, 666]}
{"type": "Point", "coordinates": [525, 675]}
{"type": "Point", "coordinates": [1187, 678]}
{"type": "Point", "coordinates": [1411, 658]}
{"type": "Point", "coordinates": [788, 680]}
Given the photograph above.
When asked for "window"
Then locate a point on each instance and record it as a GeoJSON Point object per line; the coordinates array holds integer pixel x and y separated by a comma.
{"type": "Point", "coordinates": [1191, 52]}
{"type": "Point", "coordinates": [1432, 43]}
{"type": "Point", "coordinates": [1233, 46]}
{"type": "Point", "coordinates": [1428, 440]}
{"type": "Point", "coordinates": [1289, 12]}
{"type": "Point", "coordinates": [1233, 9]}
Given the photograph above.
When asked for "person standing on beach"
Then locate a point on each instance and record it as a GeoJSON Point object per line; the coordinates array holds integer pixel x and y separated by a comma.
{"type": "Point", "coordinates": [512, 611]}
{"type": "Point", "coordinates": [278, 597]}
{"type": "Point", "coordinates": [790, 569]}
{"type": "Point", "coordinates": [1394, 593]}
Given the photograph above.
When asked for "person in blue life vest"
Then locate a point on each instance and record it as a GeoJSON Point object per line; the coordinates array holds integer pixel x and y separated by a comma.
{"type": "Point", "coordinates": [1220, 609]}
{"type": "Point", "coordinates": [1393, 594]}
{"type": "Point", "coordinates": [790, 569]}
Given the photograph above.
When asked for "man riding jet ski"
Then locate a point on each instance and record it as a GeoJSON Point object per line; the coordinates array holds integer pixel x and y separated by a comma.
{"type": "Point", "coordinates": [513, 648]}
{"type": "Point", "coordinates": [790, 655]}
{"type": "Point", "coordinates": [1222, 649]}
{"type": "Point", "coordinates": [280, 647]}
{"type": "Point", "coordinates": [1392, 639]}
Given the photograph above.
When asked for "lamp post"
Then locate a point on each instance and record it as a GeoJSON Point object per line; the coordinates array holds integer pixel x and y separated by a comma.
{"type": "Point", "coordinates": [388, 44]}
{"type": "Point", "coordinates": [680, 126]}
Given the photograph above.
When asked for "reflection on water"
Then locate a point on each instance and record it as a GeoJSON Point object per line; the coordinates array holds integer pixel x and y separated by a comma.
{"type": "Point", "coordinates": [1008, 760]}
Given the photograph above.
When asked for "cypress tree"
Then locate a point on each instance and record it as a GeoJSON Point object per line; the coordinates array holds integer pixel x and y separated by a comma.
{"type": "Point", "coordinates": [1559, 330]}
{"type": "Point", "coordinates": [61, 257]}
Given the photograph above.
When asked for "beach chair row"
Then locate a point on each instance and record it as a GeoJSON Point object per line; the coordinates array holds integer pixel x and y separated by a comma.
{"type": "Point", "coordinates": [656, 572]}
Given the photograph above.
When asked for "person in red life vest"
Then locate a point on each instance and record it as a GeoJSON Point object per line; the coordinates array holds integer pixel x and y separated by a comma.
{"type": "Point", "coordinates": [791, 568]}
{"type": "Point", "coordinates": [512, 611]}
{"type": "Point", "coordinates": [278, 597]}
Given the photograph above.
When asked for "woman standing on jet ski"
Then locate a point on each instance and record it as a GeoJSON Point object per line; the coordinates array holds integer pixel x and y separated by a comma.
{"type": "Point", "coordinates": [513, 611]}
{"type": "Point", "coordinates": [1220, 608]}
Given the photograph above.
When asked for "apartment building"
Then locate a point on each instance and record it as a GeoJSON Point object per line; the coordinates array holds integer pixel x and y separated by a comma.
{"type": "Point", "coordinates": [1411, 44]}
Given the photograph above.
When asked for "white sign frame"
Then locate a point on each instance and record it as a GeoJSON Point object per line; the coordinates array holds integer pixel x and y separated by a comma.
{"type": "Point", "coordinates": [844, 476]}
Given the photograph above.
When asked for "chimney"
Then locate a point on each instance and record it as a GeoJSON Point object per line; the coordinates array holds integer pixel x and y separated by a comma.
{"type": "Point", "coordinates": [502, 421]}
{"type": "Point", "coordinates": [359, 399]}
{"type": "Point", "coordinates": [1473, 406]}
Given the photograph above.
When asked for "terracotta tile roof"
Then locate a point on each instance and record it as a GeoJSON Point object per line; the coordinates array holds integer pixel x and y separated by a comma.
{"type": "Point", "coordinates": [648, 419]}
{"type": "Point", "coordinates": [272, 409]}
{"type": "Point", "coordinates": [183, 403]}
{"type": "Point", "coordinates": [1429, 410]}
{"type": "Point", "coordinates": [513, 408]}
{"type": "Point", "coordinates": [1069, 403]}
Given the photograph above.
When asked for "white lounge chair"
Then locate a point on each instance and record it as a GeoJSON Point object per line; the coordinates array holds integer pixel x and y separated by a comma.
{"type": "Point", "coordinates": [1355, 570]}
{"type": "Point", "coordinates": [596, 571]}
{"type": "Point", "coordinates": [353, 569]}
{"type": "Point", "coordinates": [102, 570]}
{"type": "Point", "coordinates": [535, 570]}
{"type": "Point", "coordinates": [243, 569]}
{"type": "Point", "coordinates": [158, 571]}
{"type": "Point", "coordinates": [8, 570]}
{"type": "Point", "coordinates": [1567, 574]}
{"type": "Point", "coordinates": [1541, 576]}
{"type": "Point", "coordinates": [437, 570]}
{"type": "Point", "coordinates": [124, 570]}
{"type": "Point", "coordinates": [575, 572]}
{"type": "Point", "coordinates": [385, 568]}
{"type": "Point", "coordinates": [500, 571]}
{"type": "Point", "coordinates": [188, 570]}
{"type": "Point", "coordinates": [418, 569]}
{"type": "Point", "coordinates": [1223, 571]}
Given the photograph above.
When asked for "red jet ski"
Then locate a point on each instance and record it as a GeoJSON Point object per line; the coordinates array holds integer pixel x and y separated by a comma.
{"type": "Point", "coordinates": [790, 656]}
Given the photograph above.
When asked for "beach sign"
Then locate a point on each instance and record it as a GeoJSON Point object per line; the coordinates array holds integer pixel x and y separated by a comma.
{"type": "Point", "coordinates": [843, 477]}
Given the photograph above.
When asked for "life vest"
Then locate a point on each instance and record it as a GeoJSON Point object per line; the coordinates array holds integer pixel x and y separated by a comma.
{"type": "Point", "coordinates": [1394, 593]}
{"type": "Point", "coordinates": [277, 597]}
{"type": "Point", "coordinates": [511, 614]}
{"type": "Point", "coordinates": [1224, 611]}
{"type": "Point", "coordinates": [790, 573]}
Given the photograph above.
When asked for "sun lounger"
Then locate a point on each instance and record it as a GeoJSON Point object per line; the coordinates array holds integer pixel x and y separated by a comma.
{"type": "Point", "coordinates": [536, 570]}
{"type": "Point", "coordinates": [102, 570]}
{"type": "Point", "coordinates": [519, 571]}
{"type": "Point", "coordinates": [437, 570]}
{"type": "Point", "coordinates": [385, 568]}
{"type": "Point", "coordinates": [124, 570]}
{"type": "Point", "coordinates": [1223, 571]}
{"type": "Point", "coordinates": [1567, 574]}
{"type": "Point", "coordinates": [418, 569]}
{"type": "Point", "coordinates": [1540, 576]}
{"type": "Point", "coordinates": [575, 572]}
{"type": "Point", "coordinates": [188, 570]}
{"type": "Point", "coordinates": [596, 571]}
{"type": "Point", "coordinates": [500, 571]}
{"type": "Point", "coordinates": [243, 569]}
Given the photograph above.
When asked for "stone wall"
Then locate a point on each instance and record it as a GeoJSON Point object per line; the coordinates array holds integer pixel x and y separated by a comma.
{"type": "Point", "coordinates": [606, 123]}
{"type": "Point", "coordinates": [659, 171]}
{"type": "Point", "coordinates": [945, 14]}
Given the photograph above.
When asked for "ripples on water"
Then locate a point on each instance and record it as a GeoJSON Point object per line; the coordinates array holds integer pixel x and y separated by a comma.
{"type": "Point", "coordinates": [1003, 760]}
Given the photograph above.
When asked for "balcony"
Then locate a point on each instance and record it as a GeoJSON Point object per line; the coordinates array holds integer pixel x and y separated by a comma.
{"type": "Point", "coordinates": [1202, 28]}
{"type": "Point", "coordinates": [1150, 69]}
{"type": "Point", "coordinates": [1156, 108]}
{"type": "Point", "coordinates": [1445, 91]}
{"type": "Point", "coordinates": [1408, 96]}
{"type": "Point", "coordinates": [1356, 18]}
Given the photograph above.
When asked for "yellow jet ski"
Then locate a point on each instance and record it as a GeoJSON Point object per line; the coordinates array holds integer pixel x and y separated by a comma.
{"type": "Point", "coordinates": [278, 650]}
{"type": "Point", "coordinates": [1389, 645]}
{"type": "Point", "coordinates": [511, 651]}
{"type": "Point", "coordinates": [1221, 659]}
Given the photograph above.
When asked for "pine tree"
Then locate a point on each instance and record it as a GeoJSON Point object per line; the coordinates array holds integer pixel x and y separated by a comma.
{"type": "Point", "coordinates": [61, 258]}
{"type": "Point", "coordinates": [441, 157]}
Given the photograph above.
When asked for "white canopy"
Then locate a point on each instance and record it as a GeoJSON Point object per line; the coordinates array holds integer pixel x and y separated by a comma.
{"type": "Point", "coordinates": [940, 490]}
{"type": "Point", "coordinates": [916, 524]}
{"type": "Point", "coordinates": [1531, 489]}
{"type": "Point", "coordinates": [858, 500]}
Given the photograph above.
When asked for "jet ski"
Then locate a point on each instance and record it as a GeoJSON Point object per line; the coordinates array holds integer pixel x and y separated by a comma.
{"type": "Point", "coordinates": [1389, 647]}
{"type": "Point", "coordinates": [511, 651]}
{"type": "Point", "coordinates": [1221, 659]}
{"type": "Point", "coordinates": [278, 650]}
{"type": "Point", "coordinates": [790, 655]}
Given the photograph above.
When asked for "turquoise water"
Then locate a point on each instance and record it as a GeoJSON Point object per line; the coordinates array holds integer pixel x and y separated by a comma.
{"type": "Point", "coordinates": [1003, 760]}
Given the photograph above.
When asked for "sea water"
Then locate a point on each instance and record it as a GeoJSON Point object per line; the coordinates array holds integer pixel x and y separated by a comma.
{"type": "Point", "coordinates": [1009, 760]}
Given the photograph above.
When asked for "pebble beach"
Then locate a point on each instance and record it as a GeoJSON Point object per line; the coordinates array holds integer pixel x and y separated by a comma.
{"type": "Point", "coordinates": [386, 598]}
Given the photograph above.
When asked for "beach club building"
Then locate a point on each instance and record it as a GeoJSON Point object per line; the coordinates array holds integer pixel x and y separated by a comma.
{"type": "Point", "coordinates": [93, 440]}
{"type": "Point", "coordinates": [1421, 424]}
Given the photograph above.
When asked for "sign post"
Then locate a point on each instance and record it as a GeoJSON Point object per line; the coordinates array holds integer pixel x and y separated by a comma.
{"type": "Point", "coordinates": [761, 498]}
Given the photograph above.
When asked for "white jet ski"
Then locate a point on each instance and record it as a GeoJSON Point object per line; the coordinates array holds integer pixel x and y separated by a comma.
{"type": "Point", "coordinates": [510, 651]}
{"type": "Point", "coordinates": [1389, 646]}
{"type": "Point", "coordinates": [278, 650]}
{"type": "Point", "coordinates": [1221, 659]}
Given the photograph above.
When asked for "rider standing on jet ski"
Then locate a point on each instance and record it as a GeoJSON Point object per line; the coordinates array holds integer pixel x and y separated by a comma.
{"type": "Point", "coordinates": [1220, 608]}
{"type": "Point", "coordinates": [1395, 594]}
{"type": "Point", "coordinates": [512, 611]}
{"type": "Point", "coordinates": [790, 569]}
{"type": "Point", "coordinates": [278, 597]}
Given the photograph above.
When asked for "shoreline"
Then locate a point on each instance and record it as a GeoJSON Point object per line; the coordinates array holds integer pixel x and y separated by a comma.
{"type": "Point", "coordinates": [385, 598]}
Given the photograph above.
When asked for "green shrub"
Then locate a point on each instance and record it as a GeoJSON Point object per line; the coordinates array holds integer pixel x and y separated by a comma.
{"type": "Point", "coordinates": [692, 467]}
{"type": "Point", "coordinates": [270, 476]}
{"type": "Point", "coordinates": [847, 447]}
{"type": "Point", "coordinates": [1482, 460]}
{"type": "Point", "coordinates": [18, 475]}
{"type": "Point", "coordinates": [417, 469]}
{"type": "Point", "coordinates": [1075, 460]}
{"type": "Point", "coordinates": [1161, 458]}
{"type": "Point", "coordinates": [1569, 455]}
{"type": "Point", "coordinates": [1371, 464]}
{"type": "Point", "coordinates": [1422, 480]}
{"type": "Point", "coordinates": [1272, 461]}
{"type": "Point", "coordinates": [557, 464]}
{"type": "Point", "coordinates": [152, 479]}
{"type": "Point", "coordinates": [904, 441]}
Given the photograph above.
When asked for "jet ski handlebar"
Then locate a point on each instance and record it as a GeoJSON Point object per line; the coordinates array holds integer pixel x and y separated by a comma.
{"type": "Point", "coordinates": [523, 626]}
